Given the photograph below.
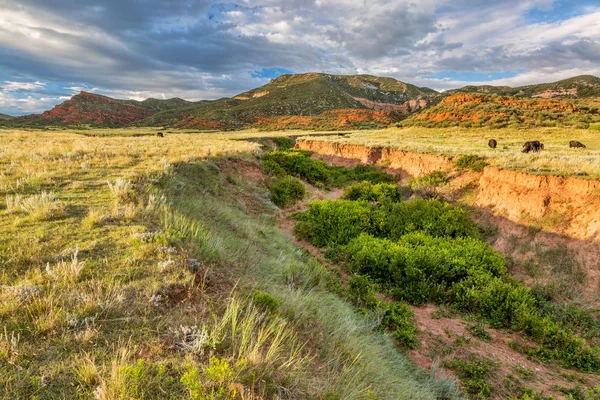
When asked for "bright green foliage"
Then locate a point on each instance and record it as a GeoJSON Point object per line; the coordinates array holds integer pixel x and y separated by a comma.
{"type": "Point", "coordinates": [363, 291]}
{"type": "Point", "coordinates": [379, 192]}
{"type": "Point", "coordinates": [399, 318]}
{"type": "Point", "coordinates": [474, 376]}
{"type": "Point", "coordinates": [427, 185]}
{"type": "Point", "coordinates": [146, 379]}
{"type": "Point", "coordinates": [419, 267]}
{"type": "Point", "coordinates": [284, 143]}
{"type": "Point", "coordinates": [264, 300]}
{"type": "Point", "coordinates": [470, 161]}
{"type": "Point", "coordinates": [434, 217]}
{"type": "Point", "coordinates": [272, 168]}
{"type": "Point", "coordinates": [287, 192]}
{"type": "Point", "coordinates": [316, 172]}
{"type": "Point", "coordinates": [333, 222]}
{"type": "Point", "coordinates": [300, 165]}
{"type": "Point", "coordinates": [343, 176]}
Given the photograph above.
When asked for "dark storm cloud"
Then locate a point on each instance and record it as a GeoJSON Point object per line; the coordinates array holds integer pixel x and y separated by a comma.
{"type": "Point", "coordinates": [202, 49]}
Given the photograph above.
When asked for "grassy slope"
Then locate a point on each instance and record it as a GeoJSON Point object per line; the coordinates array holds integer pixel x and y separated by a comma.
{"type": "Point", "coordinates": [586, 85]}
{"type": "Point", "coordinates": [302, 94]}
{"type": "Point", "coordinates": [68, 333]}
{"type": "Point", "coordinates": [5, 116]}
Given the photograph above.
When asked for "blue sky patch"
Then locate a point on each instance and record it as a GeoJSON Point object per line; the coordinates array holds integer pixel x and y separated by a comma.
{"type": "Point", "coordinates": [270, 73]}
{"type": "Point", "coordinates": [473, 76]}
{"type": "Point", "coordinates": [561, 10]}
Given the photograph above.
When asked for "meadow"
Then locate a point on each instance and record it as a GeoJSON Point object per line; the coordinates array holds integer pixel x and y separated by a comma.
{"type": "Point", "coordinates": [133, 266]}
{"type": "Point", "coordinates": [556, 159]}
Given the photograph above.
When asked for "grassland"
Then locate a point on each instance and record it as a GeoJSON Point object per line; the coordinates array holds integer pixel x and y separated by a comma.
{"type": "Point", "coordinates": [556, 159]}
{"type": "Point", "coordinates": [143, 267]}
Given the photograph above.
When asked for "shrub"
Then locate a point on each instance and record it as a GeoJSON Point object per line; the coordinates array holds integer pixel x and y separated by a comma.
{"type": "Point", "coordinates": [342, 176]}
{"type": "Point", "coordinates": [270, 167]}
{"type": "Point", "coordinates": [333, 222]}
{"type": "Point", "coordinates": [363, 291]}
{"type": "Point", "coordinates": [264, 301]}
{"type": "Point", "coordinates": [287, 192]}
{"type": "Point", "coordinates": [431, 216]}
{"type": "Point", "coordinates": [298, 163]}
{"type": "Point", "coordinates": [284, 143]}
{"type": "Point", "coordinates": [470, 161]}
{"type": "Point", "coordinates": [473, 375]}
{"type": "Point", "coordinates": [419, 267]}
{"type": "Point", "coordinates": [380, 192]}
{"type": "Point", "coordinates": [399, 318]}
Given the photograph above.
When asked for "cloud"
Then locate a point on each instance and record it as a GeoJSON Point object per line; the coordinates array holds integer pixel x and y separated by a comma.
{"type": "Point", "coordinates": [200, 49]}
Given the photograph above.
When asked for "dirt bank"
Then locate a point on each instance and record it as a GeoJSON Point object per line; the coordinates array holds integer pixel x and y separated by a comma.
{"type": "Point", "coordinates": [536, 212]}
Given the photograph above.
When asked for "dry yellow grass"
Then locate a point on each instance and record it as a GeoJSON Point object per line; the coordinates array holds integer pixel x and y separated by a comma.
{"type": "Point", "coordinates": [556, 159]}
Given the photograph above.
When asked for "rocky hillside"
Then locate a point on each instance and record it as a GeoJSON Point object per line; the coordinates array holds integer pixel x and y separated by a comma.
{"type": "Point", "coordinates": [485, 110]}
{"type": "Point", "coordinates": [577, 87]}
{"type": "Point", "coordinates": [301, 95]}
{"type": "Point", "coordinates": [93, 109]}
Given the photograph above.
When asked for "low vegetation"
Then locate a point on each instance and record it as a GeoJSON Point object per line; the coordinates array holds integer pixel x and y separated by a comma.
{"type": "Point", "coordinates": [427, 251]}
{"type": "Point", "coordinates": [162, 278]}
{"type": "Point", "coordinates": [556, 158]}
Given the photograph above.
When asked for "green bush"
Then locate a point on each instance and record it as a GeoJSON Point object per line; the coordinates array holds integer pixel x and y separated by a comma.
{"type": "Point", "coordinates": [287, 192]}
{"type": "Point", "coordinates": [342, 176]}
{"type": "Point", "coordinates": [284, 143]}
{"type": "Point", "coordinates": [271, 167]}
{"type": "Point", "coordinates": [470, 161]}
{"type": "Point", "coordinates": [434, 217]}
{"type": "Point", "coordinates": [363, 291]}
{"type": "Point", "coordinates": [399, 318]}
{"type": "Point", "coordinates": [264, 301]}
{"type": "Point", "coordinates": [333, 222]}
{"type": "Point", "coordinates": [473, 376]}
{"type": "Point", "coordinates": [316, 172]}
{"type": "Point", "coordinates": [419, 267]}
{"type": "Point", "coordinates": [373, 192]}
{"type": "Point", "coordinates": [299, 164]}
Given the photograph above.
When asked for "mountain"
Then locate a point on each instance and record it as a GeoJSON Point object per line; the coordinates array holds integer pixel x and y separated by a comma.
{"type": "Point", "coordinates": [582, 86]}
{"type": "Point", "coordinates": [93, 109]}
{"type": "Point", "coordinates": [5, 116]}
{"type": "Point", "coordinates": [494, 111]}
{"type": "Point", "coordinates": [156, 105]}
{"type": "Point", "coordinates": [303, 95]}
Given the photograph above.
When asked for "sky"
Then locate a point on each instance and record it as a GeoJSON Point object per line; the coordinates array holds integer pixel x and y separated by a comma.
{"type": "Point", "coordinates": [201, 49]}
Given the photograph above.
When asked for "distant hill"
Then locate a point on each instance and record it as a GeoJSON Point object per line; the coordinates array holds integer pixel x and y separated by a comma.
{"type": "Point", "coordinates": [93, 109]}
{"type": "Point", "coordinates": [582, 86]}
{"type": "Point", "coordinates": [156, 105]}
{"type": "Point", "coordinates": [5, 116]}
{"type": "Point", "coordinates": [492, 110]}
{"type": "Point", "coordinates": [304, 95]}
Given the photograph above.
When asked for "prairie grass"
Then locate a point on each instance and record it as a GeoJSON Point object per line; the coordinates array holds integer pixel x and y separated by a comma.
{"type": "Point", "coordinates": [556, 159]}
{"type": "Point", "coordinates": [77, 316]}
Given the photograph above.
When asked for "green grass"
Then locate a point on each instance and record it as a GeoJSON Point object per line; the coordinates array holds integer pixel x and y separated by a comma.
{"type": "Point", "coordinates": [556, 159]}
{"type": "Point", "coordinates": [143, 287]}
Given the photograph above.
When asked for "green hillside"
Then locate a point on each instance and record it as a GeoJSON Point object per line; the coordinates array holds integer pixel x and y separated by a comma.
{"type": "Point", "coordinates": [157, 105]}
{"type": "Point", "coordinates": [577, 87]}
{"type": "Point", "coordinates": [5, 116]}
{"type": "Point", "coordinates": [300, 95]}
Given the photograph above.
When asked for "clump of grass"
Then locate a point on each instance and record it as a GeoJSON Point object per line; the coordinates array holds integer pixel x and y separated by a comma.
{"type": "Point", "coordinates": [427, 185]}
{"type": "Point", "coordinates": [121, 190]}
{"type": "Point", "coordinates": [471, 161]}
{"type": "Point", "coordinates": [66, 271]}
{"type": "Point", "coordinates": [43, 206]}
